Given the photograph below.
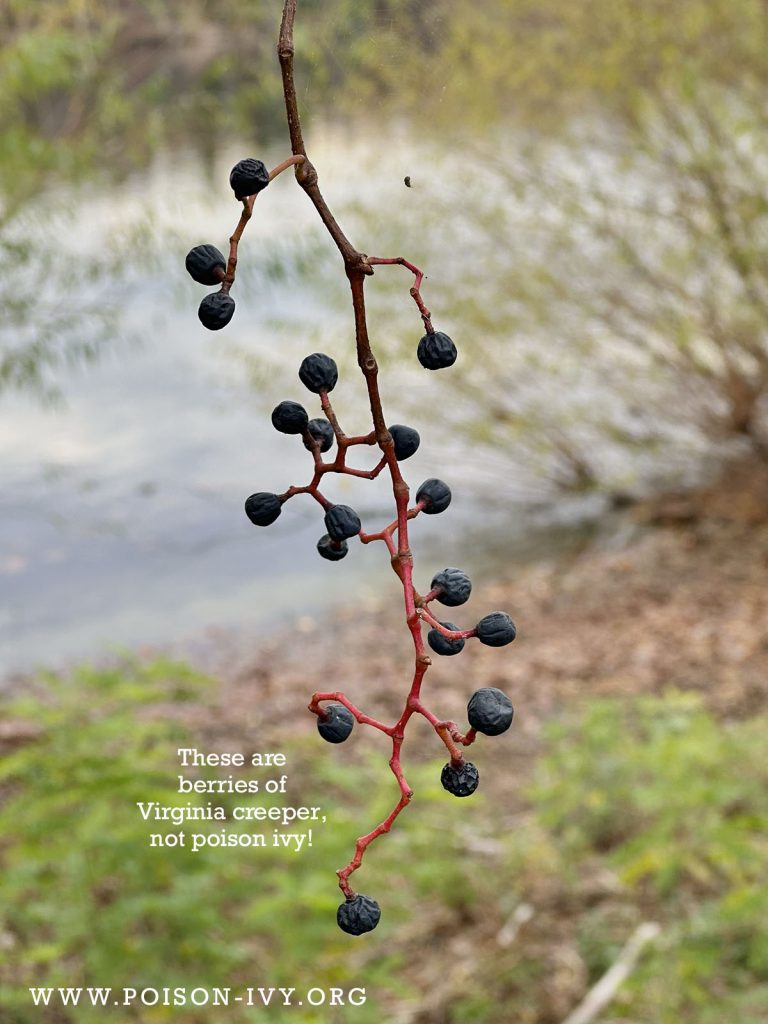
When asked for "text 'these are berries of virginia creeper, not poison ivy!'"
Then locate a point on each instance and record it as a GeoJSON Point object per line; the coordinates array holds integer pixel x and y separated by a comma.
{"type": "Point", "coordinates": [358, 915]}
{"type": "Point", "coordinates": [248, 177]}
{"type": "Point", "coordinates": [290, 418]}
{"type": "Point", "coordinates": [322, 431]}
{"type": "Point", "coordinates": [263, 508]}
{"type": "Point", "coordinates": [435, 495]}
{"type": "Point", "coordinates": [342, 522]}
{"type": "Point", "coordinates": [406, 440]}
{"type": "Point", "coordinates": [337, 725]}
{"type": "Point", "coordinates": [442, 644]}
{"type": "Point", "coordinates": [490, 711]}
{"type": "Point", "coordinates": [454, 586]}
{"type": "Point", "coordinates": [496, 630]}
{"type": "Point", "coordinates": [216, 310]}
{"type": "Point", "coordinates": [462, 780]}
{"type": "Point", "coordinates": [318, 372]}
{"type": "Point", "coordinates": [333, 550]}
{"type": "Point", "coordinates": [205, 264]}
{"type": "Point", "coordinates": [436, 351]}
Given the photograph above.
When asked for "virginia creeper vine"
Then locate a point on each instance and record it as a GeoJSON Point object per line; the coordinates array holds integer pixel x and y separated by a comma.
{"type": "Point", "coordinates": [489, 710]}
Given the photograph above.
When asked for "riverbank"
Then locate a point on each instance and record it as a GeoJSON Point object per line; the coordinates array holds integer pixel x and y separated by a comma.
{"type": "Point", "coordinates": [675, 599]}
{"type": "Point", "coordinates": [626, 800]}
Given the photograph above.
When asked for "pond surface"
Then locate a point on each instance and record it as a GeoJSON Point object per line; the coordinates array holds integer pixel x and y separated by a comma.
{"type": "Point", "coordinates": [122, 504]}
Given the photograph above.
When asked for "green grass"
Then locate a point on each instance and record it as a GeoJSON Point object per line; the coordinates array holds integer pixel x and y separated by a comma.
{"type": "Point", "coordinates": [655, 795]}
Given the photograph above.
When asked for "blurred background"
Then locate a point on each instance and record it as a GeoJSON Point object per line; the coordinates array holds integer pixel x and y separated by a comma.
{"type": "Point", "coordinates": [588, 200]}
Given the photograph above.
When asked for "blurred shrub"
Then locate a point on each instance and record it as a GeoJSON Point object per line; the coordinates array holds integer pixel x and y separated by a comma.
{"type": "Point", "coordinates": [620, 342]}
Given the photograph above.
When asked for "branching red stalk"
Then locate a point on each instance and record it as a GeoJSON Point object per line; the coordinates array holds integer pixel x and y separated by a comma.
{"type": "Point", "coordinates": [426, 316]}
{"type": "Point", "coordinates": [357, 267]}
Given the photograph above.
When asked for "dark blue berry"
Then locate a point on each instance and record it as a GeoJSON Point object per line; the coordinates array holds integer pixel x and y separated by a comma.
{"type": "Point", "coordinates": [263, 508]}
{"type": "Point", "coordinates": [436, 496]}
{"type": "Point", "coordinates": [462, 780]}
{"type": "Point", "coordinates": [342, 522]}
{"type": "Point", "coordinates": [406, 440]}
{"type": "Point", "coordinates": [290, 418]}
{"type": "Point", "coordinates": [337, 725]}
{"type": "Point", "coordinates": [248, 177]}
{"type": "Point", "coordinates": [454, 586]}
{"type": "Point", "coordinates": [318, 372]}
{"type": "Point", "coordinates": [441, 644]}
{"type": "Point", "coordinates": [333, 550]}
{"type": "Point", "coordinates": [490, 711]}
{"type": "Point", "coordinates": [358, 915]}
{"type": "Point", "coordinates": [204, 264]}
{"type": "Point", "coordinates": [322, 431]}
{"type": "Point", "coordinates": [216, 310]}
{"type": "Point", "coordinates": [496, 630]}
{"type": "Point", "coordinates": [436, 351]}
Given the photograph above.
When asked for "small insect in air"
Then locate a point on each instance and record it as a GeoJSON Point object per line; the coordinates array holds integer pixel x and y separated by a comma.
{"type": "Point", "coordinates": [407, 180]}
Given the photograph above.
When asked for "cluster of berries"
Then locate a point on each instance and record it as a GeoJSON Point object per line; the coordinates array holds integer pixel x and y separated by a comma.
{"type": "Point", "coordinates": [206, 265]}
{"type": "Point", "coordinates": [319, 374]}
{"type": "Point", "coordinates": [489, 711]}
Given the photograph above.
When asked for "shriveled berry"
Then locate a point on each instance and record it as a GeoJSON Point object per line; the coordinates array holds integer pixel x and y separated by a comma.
{"type": "Point", "coordinates": [322, 431]}
{"type": "Point", "coordinates": [358, 915]}
{"type": "Point", "coordinates": [490, 711]}
{"type": "Point", "coordinates": [462, 780]}
{"type": "Point", "coordinates": [406, 440]}
{"type": "Point", "coordinates": [319, 372]}
{"type": "Point", "coordinates": [263, 508]}
{"type": "Point", "coordinates": [337, 725]}
{"type": "Point", "coordinates": [290, 418]}
{"type": "Point", "coordinates": [496, 630]}
{"type": "Point", "coordinates": [436, 351]}
{"type": "Point", "coordinates": [436, 496]}
{"type": "Point", "coordinates": [454, 586]}
{"type": "Point", "coordinates": [441, 644]}
{"type": "Point", "coordinates": [203, 262]}
{"type": "Point", "coordinates": [333, 550]}
{"type": "Point", "coordinates": [342, 522]}
{"type": "Point", "coordinates": [248, 177]}
{"type": "Point", "coordinates": [216, 310]}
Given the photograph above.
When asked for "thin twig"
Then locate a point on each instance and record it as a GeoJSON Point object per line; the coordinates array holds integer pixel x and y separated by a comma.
{"type": "Point", "coordinates": [603, 992]}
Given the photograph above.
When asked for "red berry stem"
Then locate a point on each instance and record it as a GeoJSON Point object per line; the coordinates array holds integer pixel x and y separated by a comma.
{"type": "Point", "coordinates": [291, 161]}
{"type": "Point", "coordinates": [451, 634]}
{"type": "Point", "coordinates": [362, 843]}
{"type": "Point", "coordinates": [363, 719]}
{"type": "Point", "coordinates": [368, 474]}
{"type": "Point", "coordinates": [426, 316]}
{"type": "Point", "coordinates": [228, 277]}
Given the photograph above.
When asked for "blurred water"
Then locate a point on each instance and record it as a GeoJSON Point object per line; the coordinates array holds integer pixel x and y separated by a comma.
{"type": "Point", "coordinates": [122, 507]}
